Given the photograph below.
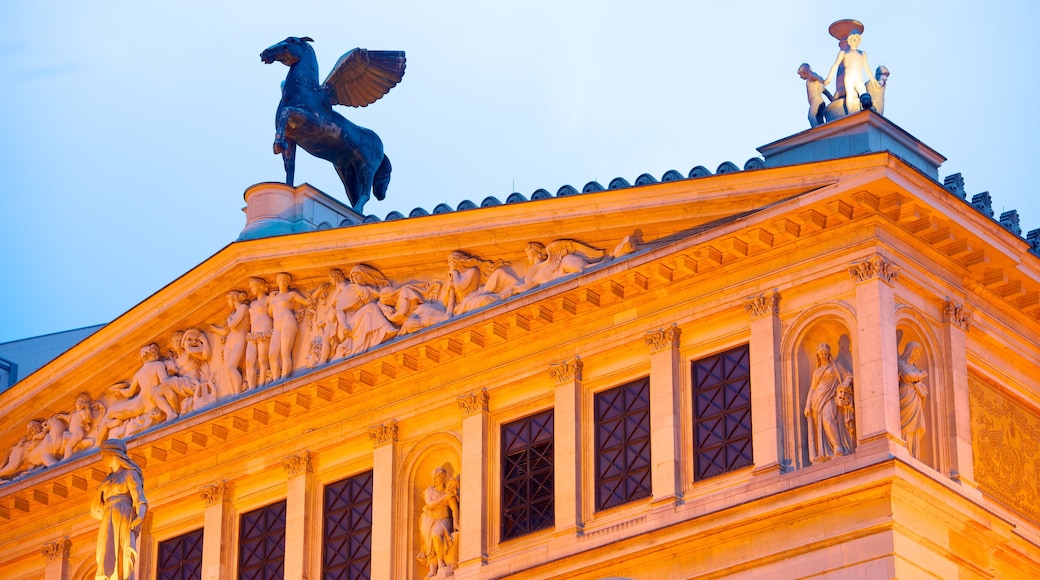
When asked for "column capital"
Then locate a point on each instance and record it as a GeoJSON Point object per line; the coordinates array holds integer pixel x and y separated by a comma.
{"type": "Point", "coordinates": [875, 266]}
{"type": "Point", "coordinates": [383, 433]}
{"type": "Point", "coordinates": [663, 338]}
{"type": "Point", "coordinates": [763, 304]}
{"type": "Point", "coordinates": [956, 314]}
{"type": "Point", "coordinates": [298, 463]}
{"type": "Point", "coordinates": [215, 493]}
{"type": "Point", "coordinates": [474, 402]}
{"type": "Point", "coordinates": [568, 370]}
{"type": "Point", "coordinates": [59, 550]}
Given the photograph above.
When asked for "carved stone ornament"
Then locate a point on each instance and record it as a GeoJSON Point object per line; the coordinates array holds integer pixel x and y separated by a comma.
{"type": "Point", "coordinates": [59, 550]}
{"type": "Point", "coordinates": [474, 402]}
{"type": "Point", "coordinates": [763, 304]}
{"type": "Point", "coordinates": [297, 464]}
{"type": "Point", "coordinates": [383, 434]}
{"type": "Point", "coordinates": [663, 338]}
{"type": "Point", "coordinates": [215, 493]}
{"type": "Point", "coordinates": [568, 370]}
{"type": "Point", "coordinates": [873, 267]}
{"type": "Point", "coordinates": [955, 313]}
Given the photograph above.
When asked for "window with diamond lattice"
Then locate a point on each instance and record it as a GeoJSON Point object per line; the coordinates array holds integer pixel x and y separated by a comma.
{"type": "Point", "coordinates": [721, 413]}
{"type": "Point", "coordinates": [623, 444]}
{"type": "Point", "coordinates": [180, 558]}
{"type": "Point", "coordinates": [527, 475]}
{"type": "Point", "coordinates": [347, 552]}
{"type": "Point", "coordinates": [261, 543]}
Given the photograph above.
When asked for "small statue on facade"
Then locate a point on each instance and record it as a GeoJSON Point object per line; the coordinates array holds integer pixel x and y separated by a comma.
{"type": "Point", "coordinates": [121, 506]}
{"type": "Point", "coordinates": [855, 88]}
{"type": "Point", "coordinates": [815, 90]}
{"type": "Point", "coordinates": [854, 63]}
{"type": "Point", "coordinates": [829, 411]}
{"type": "Point", "coordinates": [438, 524]}
{"type": "Point", "coordinates": [912, 394]}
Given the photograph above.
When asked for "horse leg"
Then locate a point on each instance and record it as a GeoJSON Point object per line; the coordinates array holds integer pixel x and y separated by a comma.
{"type": "Point", "coordinates": [289, 160]}
{"type": "Point", "coordinates": [348, 175]}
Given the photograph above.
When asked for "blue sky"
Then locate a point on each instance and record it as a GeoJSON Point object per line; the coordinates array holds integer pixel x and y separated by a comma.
{"type": "Point", "coordinates": [132, 128]}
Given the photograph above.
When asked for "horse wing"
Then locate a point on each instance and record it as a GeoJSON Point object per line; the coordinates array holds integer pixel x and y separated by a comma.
{"type": "Point", "coordinates": [361, 77]}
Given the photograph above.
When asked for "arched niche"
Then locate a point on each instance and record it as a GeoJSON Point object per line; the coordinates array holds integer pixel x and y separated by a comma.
{"type": "Point", "coordinates": [828, 323]}
{"type": "Point", "coordinates": [440, 450]}
{"type": "Point", "coordinates": [911, 326]}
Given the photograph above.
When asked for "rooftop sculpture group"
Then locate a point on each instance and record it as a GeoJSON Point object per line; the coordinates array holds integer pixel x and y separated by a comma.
{"type": "Point", "coordinates": [855, 88]}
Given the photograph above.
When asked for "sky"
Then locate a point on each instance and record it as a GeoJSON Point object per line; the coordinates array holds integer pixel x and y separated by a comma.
{"type": "Point", "coordinates": [131, 129]}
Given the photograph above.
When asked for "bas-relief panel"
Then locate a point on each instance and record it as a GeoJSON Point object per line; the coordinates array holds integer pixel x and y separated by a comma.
{"type": "Point", "coordinates": [1005, 439]}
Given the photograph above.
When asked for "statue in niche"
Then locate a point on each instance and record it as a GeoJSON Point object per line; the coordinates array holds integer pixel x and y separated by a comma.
{"type": "Point", "coordinates": [138, 398]}
{"type": "Point", "coordinates": [412, 307]}
{"type": "Point", "coordinates": [466, 287]}
{"type": "Point", "coordinates": [559, 258]}
{"type": "Point", "coordinates": [912, 394]}
{"type": "Point", "coordinates": [305, 116]}
{"type": "Point", "coordinates": [235, 333]}
{"type": "Point", "coordinates": [829, 409]}
{"type": "Point", "coordinates": [280, 306]}
{"type": "Point", "coordinates": [82, 425]}
{"type": "Point", "coordinates": [258, 341]}
{"type": "Point", "coordinates": [853, 64]}
{"type": "Point", "coordinates": [815, 90]}
{"type": "Point", "coordinates": [361, 322]}
{"type": "Point", "coordinates": [121, 506]}
{"type": "Point", "coordinates": [438, 524]}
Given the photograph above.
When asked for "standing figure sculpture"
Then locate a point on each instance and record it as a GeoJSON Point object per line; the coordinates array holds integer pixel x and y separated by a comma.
{"type": "Point", "coordinates": [283, 338]}
{"type": "Point", "coordinates": [828, 409]}
{"type": "Point", "coordinates": [912, 394]}
{"type": "Point", "coordinates": [235, 334]}
{"type": "Point", "coordinates": [853, 61]}
{"type": "Point", "coordinates": [815, 91]}
{"type": "Point", "coordinates": [121, 506]}
{"type": "Point", "coordinates": [258, 341]}
{"type": "Point", "coordinates": [438, 524]}
{"type": "Point", "coordinates": [305, 116]}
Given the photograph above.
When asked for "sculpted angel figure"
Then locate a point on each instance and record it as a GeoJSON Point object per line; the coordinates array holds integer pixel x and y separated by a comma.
{"type": "Point", "coordinates": [121, 506]}
{"type": "Point", "coordinates": [362, 324]}
{"type": "Point", "coordinates": [412, 307]}
{"type": "Point", "coordinates": [236, 336]}
{"type": "Point", "coordinates": [828, 408]}
{"type": "Point", "coordinates": [258, 341]}
{"type": "Point", "coordinates": [466, 287]}
{"type": "Point", "coordinates": [438, 524]}
{"type": "Point", "coordinates": [912, 394]}
{"type": "Point", "coordinates": [281, 307]}
{"type": "Point", "coordinates": [558, 259]}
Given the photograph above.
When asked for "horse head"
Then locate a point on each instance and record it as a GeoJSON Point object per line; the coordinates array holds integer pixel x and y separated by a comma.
{"type": "Point", "coordinates": [288, 51]}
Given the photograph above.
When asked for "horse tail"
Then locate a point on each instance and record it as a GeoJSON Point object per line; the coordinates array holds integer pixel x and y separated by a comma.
{"type": "Point", "coordinates": [382, 179]}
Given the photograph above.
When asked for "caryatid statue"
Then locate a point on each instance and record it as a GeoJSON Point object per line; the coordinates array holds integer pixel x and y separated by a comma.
{"type": "Point", "coordinates": [305, 116]}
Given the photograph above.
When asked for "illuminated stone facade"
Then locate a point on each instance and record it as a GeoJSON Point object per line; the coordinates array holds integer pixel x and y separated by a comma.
{"type": "Point", "coordinates": [615, 384]}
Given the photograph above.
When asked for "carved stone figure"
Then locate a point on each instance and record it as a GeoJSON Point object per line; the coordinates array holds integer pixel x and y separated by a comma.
{"type": "Point", "coordinates": [138, 397]}
{"type": "Point", "coordinates": [829, 409]}
{"type": "Point", "coordinates": [466, 287]}
{"type": "Point", "coordinates": [877, 90]}
{"type": "Point", "coordinates": [121, 506]}
{"type": "Point", "coordinates": [438, 524]}
{"type": "Point", "coordinates": [305, 116]}
{"type": "Point", "coordinates": [854, 63]}
{"type": "Point", "coordinates": [323, 324]}
{"type": "Point", "coordinates": [412, 307]}
{"type": "Point", "coordinates": [258, 341]}
{"type": "Point", "coordinates": [235, 333]}
{"type": "Point", "coordinates": [815, 90]}
{"type": "Point", "coordinates": [82, 424]}
{"type": "Point", "coordinates": [281, 308]}
{"type": "Point", "coordinates": [912, 394]}
{"type": "Point", "coordinates": [23, 455]}
{"type": "Point", "coordinates": [191, 384]}
{"type": "Point", "coordinates": [558, 259]}
{"type": "Point", "coordinates": [362, 324]}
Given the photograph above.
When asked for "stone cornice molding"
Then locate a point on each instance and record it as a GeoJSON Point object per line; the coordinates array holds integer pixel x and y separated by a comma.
{"type": "Point", "coordinates": [297, 464]}
{"type": "Point", "coordinates": [383, 434]}
{"type": "Point", "coordinates": [957, 314]}
{"type": "Point", "coordinates": [215, 493]}
{"type": "Point", "coordinates": [663, 338]}
{"type": "Point", "coordinates": [474, 402]}
{"type": "Point", "coordinates": [763, 304]}
{"type": "Point", "coordinates": [568, 370]}
{"type": "Point", "coordinates": [874, 267]}
{"type": "Point", "coordinates": [59, 550]}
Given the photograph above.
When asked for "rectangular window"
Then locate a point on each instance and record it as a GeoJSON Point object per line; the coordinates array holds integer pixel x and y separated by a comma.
{"type": "Point", "coordinates": [180, 558]}
{"type": "Point", "coordinates": [623, 444]}
{"type": "Point", "coordinates": [721, 413]}
{"type": "Point", "coordinates": [261, 543]}
{"type": "Point", "coordinates": [347, 552]}
{"type": "Point", "coordinates": [527, 475]}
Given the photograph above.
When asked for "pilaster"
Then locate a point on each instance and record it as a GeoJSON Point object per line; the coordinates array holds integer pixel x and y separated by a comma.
{"type": "Point", "coordinates": [218, 523]}
{"type": "Point", "coordinates": [876, 374]}
{"type": "Point", "coordinates": [299, 498]}
{"type": "Point", "coordinates": [567, 456]}
{"type": "Point", "coordinates": [956, 411]}
{"type": "Point", "coordinates": [384, 470]}
{"type": "Point", "coordinates": [56, 555]}
{"type": "Point", "coordinates": [665, 422]}
{"type": "Point", "coordinates": [473, 551]}
{"type": "Point", "coordinates": [767, 437]}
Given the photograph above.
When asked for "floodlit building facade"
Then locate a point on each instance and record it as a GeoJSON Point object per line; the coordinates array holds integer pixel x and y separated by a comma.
{"type": "Point", "coordinates": [825, 364]}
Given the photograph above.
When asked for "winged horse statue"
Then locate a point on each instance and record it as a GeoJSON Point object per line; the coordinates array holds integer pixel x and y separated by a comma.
{"type": "Point", "coordinates": [305, 116]}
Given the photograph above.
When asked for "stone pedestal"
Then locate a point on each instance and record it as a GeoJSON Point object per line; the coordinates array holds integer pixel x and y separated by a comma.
{"type": "Point", "coordinates": [275, 209]}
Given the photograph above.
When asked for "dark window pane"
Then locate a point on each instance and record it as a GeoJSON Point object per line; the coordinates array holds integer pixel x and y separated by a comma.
{"type": "Point", "coordinates": [347, 552]}
{"type": "Point", "coordinates": [722, 413]}
{"type": "Point", "coordinates": [261, 543]}
{"type": "Point", "coordinates": [623, 444]}
{"type": "Point", "coordinates": [527, 475]}
{"type": "Point", "coordinates": [180, 558]}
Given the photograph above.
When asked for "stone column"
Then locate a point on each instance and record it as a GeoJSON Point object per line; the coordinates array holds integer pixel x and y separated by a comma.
{"type": "Point", "coordinates": [474, 485]}
{"type": "Point", "coordinates": [299, 499]}
{"type": "Point", "coordinates": [665, 422]}
{"type": "Point", "coordinates": [218, 523]}
{"type": "Point", "coordinates": [384, 481]}
{"type": "Point", "coordinates": [955, 407]}
{"type": "Point", "coordinates": [567, 455]}
{"type": "Point", "coordinates": [766, 420]}
{"type": "Point", "coordinates": [876, 374]}
{"type": "Point", "coordinates": [56, 554]}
